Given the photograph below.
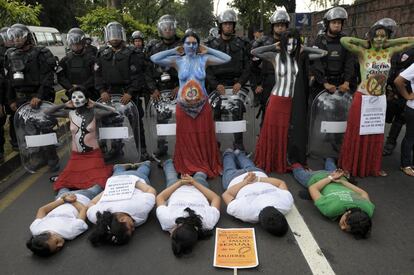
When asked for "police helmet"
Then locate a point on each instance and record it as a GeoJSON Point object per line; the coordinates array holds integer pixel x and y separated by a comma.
{"type": "Point", "coordinates": [20, 35]}
{"type": "Point", "coordinates": [280, 16]}
{"type": "Point", "coordinates": [167, 23]}
{"type": "Point", "coordinates": [137, 35]}
{"type": "Point", "coordinates": [227, 16]}
{"type": "Point", "coordinates": [388, 24]}
{"type": "Point", "coordinates": [114, 31]}
{"type": "Point", "coordinates": [75, 36]}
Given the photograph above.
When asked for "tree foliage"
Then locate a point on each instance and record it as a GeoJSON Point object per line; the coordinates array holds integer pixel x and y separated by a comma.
{"type": "Point", "coordinates": [198, 15]}
{"type": "Point", "coordinates": [12, 12]}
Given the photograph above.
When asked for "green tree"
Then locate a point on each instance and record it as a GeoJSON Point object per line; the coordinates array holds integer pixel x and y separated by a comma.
{"type": "Point", "coordinates": [12, 12]}
{"type": "Point", "coordinates": [198, 15]}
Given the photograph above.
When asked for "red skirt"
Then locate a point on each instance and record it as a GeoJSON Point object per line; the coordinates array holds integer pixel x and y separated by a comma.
{"type": "Point", "coordinates": [271, 148]}
{"type": "Point", "coordinates": [360, 155]}
{"type": "Point", "coordinates": [83, 171]}
{"type": "Point", "coordinates": [196, 148]}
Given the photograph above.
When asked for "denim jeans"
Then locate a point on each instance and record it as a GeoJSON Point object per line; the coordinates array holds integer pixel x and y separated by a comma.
{"type": "Point", "coordinates": [90, 193]}
{"type": "Point", "coordinates": [303, 176]}
{"type": "Point", "coordinates": [171, 175]}
{"type": "Point", "coordinates": [142, 171]}
{"type": "Point", "coordinates": [235, 165]}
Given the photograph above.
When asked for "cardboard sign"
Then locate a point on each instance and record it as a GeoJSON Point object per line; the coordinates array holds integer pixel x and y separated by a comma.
{"type": "Point", "coordinates": [113, 133]}
{"type": "Point", "coordinates": [372, 115]}
{"type": "Point", "coordinates": [119, 188]}
{"type": "Point", "coordinates": [235, 248]}
{"type": "Point", "coordinates": [41, 140]}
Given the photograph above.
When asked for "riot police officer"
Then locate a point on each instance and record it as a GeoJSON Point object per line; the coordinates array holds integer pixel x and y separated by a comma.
{"type": "Point", "coordinates": [3, 116]}
{"type": "Point", "coordinates": [235, 73]}
{"type": "Point", "coordinates": [77, 67]}
{"type": "Point", "coordinates": [162, 78]}
{"type": "Point", "coordinates": [263, 73]}
{"type": "Point", "coordinates": [119, 70]}
{"type": "Point", "coordinates": [90, 49]}
{"type": "Point", "coordinates": [337, 69]}
{"type": "Point", "coordinates": [137, 40]}
{"type": "Point", "coordinates": [30, 73]}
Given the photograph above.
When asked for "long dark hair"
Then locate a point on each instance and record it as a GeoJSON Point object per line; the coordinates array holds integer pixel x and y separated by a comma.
{"type": "Point", "coordinates": [188, 233]}
{"type": "Point", "coordinates": [284, 40]}
{"type": "Point", "coordinates": [38, 245]}
{"type": "Point", "coordinates": [109, 230]}
{"type": "Point", "coordinates": [78, 88]}
{"type": "Point", "coordinates": [359, 223]}
{"type": "Point", "coordinates": [373, 30]}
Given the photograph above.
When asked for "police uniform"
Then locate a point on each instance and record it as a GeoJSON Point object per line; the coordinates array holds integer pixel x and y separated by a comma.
{"type": "Point", "coordinates": [3, 85]}
{"type": "Point", "coordinates": [78, 69]}
{"type": "Point", "coordinates": [237, 70]}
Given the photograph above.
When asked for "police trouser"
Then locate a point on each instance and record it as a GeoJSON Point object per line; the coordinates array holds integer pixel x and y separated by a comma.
{"type": "Point", "coordinates": [138, 102]}
{"type": "Point", "coordinates": [2, 138]}
{"type": "Point", "coordinates": [395, 115]}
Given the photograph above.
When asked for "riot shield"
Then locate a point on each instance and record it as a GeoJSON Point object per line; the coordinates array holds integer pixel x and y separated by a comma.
{"type": "Point", "coordinates": [234, 114]}
{"type": "Point", "coordinates": [161, 121]}
{"type": "Point", "coordinates": [39, 136]}
{"type": "Point", "coordinates": [328, 118]}
{"type": "Point", "coordinates": [119, 133]}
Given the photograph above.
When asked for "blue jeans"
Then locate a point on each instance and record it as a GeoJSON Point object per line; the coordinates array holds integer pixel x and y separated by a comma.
{"type": "Point", "coordinates": [236, 165]}
{"type": "Point", "coordinates": [303, 176]}
{"type": "Point", "coordinates": [171, 175]}
{"type": "Point", "coordinates": [142, 172]}
{"type": "Point", "coordinates": [90, 193]}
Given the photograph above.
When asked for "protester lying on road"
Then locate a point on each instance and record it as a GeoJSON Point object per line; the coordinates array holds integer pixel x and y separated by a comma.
{"type": "Point", "coordinates": [116, 220]}
{"type": "Point", "coordinates": [187, 209]}
{"type": "Point", "coordinates": [60, 220]}
{"type": "Point", "coordinates": [337, 198]}
{"type": "Point", "coordinates": [252, 196]}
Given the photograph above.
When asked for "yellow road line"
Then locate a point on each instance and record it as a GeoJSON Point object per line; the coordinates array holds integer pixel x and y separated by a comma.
{"type": "Point", "coordinates": [20, 188]}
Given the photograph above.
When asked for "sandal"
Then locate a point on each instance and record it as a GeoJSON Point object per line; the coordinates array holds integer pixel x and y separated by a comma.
{"type": "Point", "coordinates": [409, 171]}
{"type": "Point", "coordinates": [382, 173]}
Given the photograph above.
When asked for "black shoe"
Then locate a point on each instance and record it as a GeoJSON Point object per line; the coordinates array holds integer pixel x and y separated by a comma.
{"type": "Point", "coordinates": [161, 152]}
{"type": "Point", "coordinates": [239, 147]}
{"type": "Point", "coordinates": [145, 156]}
{"type": "Point", "coordinates": [54, 168]}
{"type": "Point", "coordinates": [388, 149]}
{"type": "Point", "coordinates": [113, 153]}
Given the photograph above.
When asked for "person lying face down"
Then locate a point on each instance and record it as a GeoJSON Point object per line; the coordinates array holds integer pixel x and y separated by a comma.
{"type": "Point", "coordinates": [60, 220]}
{"type": "Point", "coordinates": [116, 220]}
{"type": "Point", "coordinates": [187, 209]}
{"type": "Point", "coordinates": [338, 199]}
{"type": "Point", "coordinates": [252, 196]}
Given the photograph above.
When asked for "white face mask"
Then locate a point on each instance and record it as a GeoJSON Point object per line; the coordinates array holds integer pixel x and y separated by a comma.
{"type": "Point", "coordinates": [291, 46]}
{"type": "Point", "coordinates": [78, 99]}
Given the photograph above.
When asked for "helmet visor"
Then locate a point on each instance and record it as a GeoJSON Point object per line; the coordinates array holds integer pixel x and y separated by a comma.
{"type": "Point", "coordinates": [115, 32]}
{"type": "Point", "coordinates": [17, 34]}
{"type": "Point", "coordinates": [75, 38]}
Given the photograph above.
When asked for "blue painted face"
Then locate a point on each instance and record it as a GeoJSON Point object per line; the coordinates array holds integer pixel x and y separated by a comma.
{"type": "Point", "coordinates": [190, 46]}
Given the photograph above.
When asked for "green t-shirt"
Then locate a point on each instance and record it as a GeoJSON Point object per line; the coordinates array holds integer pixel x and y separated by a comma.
{"type": "Point", "coordinates": [336, 199]}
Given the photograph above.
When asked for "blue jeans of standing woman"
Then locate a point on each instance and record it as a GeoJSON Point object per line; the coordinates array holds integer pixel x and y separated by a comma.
{"type": "Point", "coordinates": [303, 176]}
{"type": "Point", "coordinates": [171, 175]}
{"type": "Point", "coordinates": [143, 171]}
{"type": "Point", "coordinates": [235, 165]}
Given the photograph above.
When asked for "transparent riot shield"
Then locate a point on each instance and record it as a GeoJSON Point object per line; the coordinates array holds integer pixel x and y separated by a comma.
{"type": "Point", "coordinates": [328, 118]}
{"type": "Point", "coordinates": [39, 136]}
{"type": "Point", "coordinates": [234, 115]}
{"type": "Point", "coordinates": [161, 121]}
{"type": "Point", "coordinates": [119, 133]}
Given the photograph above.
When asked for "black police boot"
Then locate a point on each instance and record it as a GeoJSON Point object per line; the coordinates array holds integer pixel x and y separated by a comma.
{"type": "Point", "coordinates": [162, 148]}
{"type": "Point", "coordinates": [144, 155]}
{"type": "Point", "coordinates": [116, 150]}
{"type": "Point", "coordinates": [52, 159]}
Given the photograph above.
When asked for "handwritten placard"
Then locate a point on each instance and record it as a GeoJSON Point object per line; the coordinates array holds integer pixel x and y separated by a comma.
{"type": "Point", "coordinates": [119, 188]}
{"type": "Point", "coordinates": [372, 115]}
{"type": "Point", "coordinates": [235, 248]}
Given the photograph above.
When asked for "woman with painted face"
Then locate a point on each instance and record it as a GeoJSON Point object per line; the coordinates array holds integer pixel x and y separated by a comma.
{"type": "Point", "coordinates": [196, 147]}
{"type": "Point", "coordinates": [361, 155]}
{"type": "Point", "coordinates": [86, 166]}
{"type": "Point", "coordinates": [287, 59]}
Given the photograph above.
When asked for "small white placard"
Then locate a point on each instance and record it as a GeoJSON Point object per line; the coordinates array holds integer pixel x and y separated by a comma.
{"type": "Point", "coordinates": [372, 115]}
{"type": "Point", "coordinates": [166, 129]}
{"type": "Point", "coordinates": [229, 127]}
{"type": "Point", "coordinates": [41, 140]}
{"type": "Point", "coordinates": [336, 127]}
{"type": "Point", "coordinates": [113, 133]}
{"type": "Point", "coordinates": [118, 189]}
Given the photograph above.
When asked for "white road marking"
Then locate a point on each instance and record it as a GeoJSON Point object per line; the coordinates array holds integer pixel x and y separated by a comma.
{"type": "Point", "coordinates": [308, 245]}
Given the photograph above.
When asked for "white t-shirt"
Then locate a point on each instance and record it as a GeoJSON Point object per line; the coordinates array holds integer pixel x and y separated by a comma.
{"type": "Point", "coordinates": [408, 74]}
{"type": "Point", "coordinates": [187, 196]}
{"type": "Point", "coordinates": [252, 198]}
{"type": "Point", "coordinates": [62, 220]}
{"type": "Point", "coordinates": [138, 207]}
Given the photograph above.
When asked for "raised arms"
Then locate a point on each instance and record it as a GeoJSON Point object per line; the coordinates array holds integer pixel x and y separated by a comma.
{"type": "Point", "coordinates": [166, 58]}
{"type": "Point", "coordinates": [354, 45]}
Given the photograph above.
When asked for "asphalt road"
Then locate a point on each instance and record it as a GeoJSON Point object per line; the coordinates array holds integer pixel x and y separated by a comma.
{"type": "Point", "coordinates": [389, 250]}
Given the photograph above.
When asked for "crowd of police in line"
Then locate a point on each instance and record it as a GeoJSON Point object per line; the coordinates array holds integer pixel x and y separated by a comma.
{"type": "Point", "coordinates": [118, 68]}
